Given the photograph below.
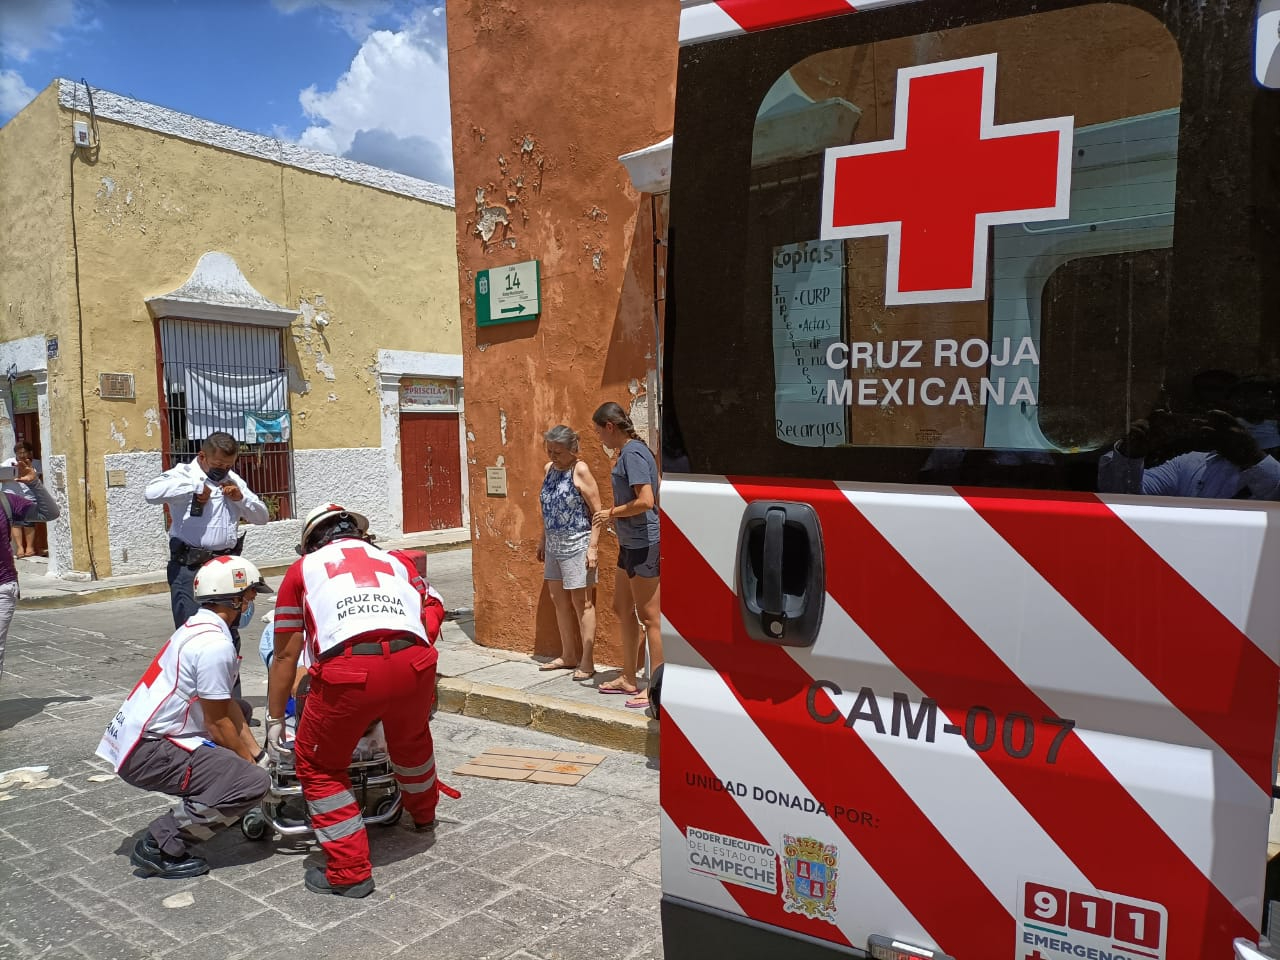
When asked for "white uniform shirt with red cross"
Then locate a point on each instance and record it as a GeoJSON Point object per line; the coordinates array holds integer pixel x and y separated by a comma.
{"type": "Point", "coordinates": [199, 661]}
{"type": "Point", "coordinates": [349, 589]}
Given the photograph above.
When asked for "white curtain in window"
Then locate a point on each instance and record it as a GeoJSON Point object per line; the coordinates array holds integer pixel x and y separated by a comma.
{"type": "Point", "coordinates": [217, 400]}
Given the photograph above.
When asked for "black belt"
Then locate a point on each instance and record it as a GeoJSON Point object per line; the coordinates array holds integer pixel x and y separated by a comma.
{"type": "Point", "coordinates": [184, 553]}
{"type": "Point", "coordinates": [374, 649]}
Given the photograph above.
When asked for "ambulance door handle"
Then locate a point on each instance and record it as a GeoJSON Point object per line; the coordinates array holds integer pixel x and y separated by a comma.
{"type": "Point", "coordinates": [780, 573]}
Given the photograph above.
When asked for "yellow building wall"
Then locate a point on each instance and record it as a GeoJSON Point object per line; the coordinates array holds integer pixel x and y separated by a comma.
{"type": "Point", "coordinates": [37, 280]}
{"type": "Point", "coordinates": [379, 266]}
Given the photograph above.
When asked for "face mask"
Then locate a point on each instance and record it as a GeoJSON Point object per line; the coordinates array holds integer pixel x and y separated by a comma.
{"type": "Point", "coordinates": [217, 474]}
{"type": "Point", "coordinates": [246, 616]}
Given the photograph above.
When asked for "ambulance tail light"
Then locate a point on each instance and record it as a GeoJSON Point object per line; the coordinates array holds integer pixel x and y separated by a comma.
{"type": "Point", "coordinates": [886, 948]}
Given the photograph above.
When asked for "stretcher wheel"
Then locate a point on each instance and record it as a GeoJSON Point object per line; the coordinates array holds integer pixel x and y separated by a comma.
{"type": "Point", "coordinates": [384, 806]}
{"type": "Point", "coordinates": [254, 824]}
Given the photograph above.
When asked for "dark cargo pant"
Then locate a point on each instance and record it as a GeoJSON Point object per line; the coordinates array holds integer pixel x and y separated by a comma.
{"type": "Point", "coordinates": [215, 784]}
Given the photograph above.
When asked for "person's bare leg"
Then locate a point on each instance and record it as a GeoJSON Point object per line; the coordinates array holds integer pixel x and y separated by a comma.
{"type": "Point", "coordinates": [567, 621]}
{"type": "Point", "coordinates": [648, 609]}
{"type": "Point", "coordinates": [628, 633]}
{"type": "Point", "coordinates": [28, 535]}
{"type": "Point", "coordinates": [584, 606]}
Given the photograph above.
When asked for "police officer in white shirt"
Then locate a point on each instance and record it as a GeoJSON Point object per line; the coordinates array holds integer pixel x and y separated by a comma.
{"type": "Point", "coordinates": [206, 500]}
{"type": "Point", "coordinates": [182, 732]}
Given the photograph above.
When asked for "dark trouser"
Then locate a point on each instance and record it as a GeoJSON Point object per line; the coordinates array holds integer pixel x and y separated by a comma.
{"type": "Point", "coordinates": [182, 600]}
{"type": "Point", "coordinates": [348, 693]}
{"type": "Point", "coordinates": [216, 787]}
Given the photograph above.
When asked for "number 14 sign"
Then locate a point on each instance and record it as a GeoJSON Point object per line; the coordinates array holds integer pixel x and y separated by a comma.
{"type": "Point", "coordinates": [1056, 922]}
{"type": "Point", "coordinates": [510, 293]}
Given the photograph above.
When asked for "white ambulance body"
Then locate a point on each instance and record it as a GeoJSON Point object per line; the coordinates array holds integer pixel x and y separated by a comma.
{"type": "Point", "coordinates": [960, 662]}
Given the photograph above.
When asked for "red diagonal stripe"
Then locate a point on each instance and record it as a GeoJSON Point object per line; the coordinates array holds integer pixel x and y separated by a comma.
{"type": "Point", "coordinates": [1077, 801]}
{"type": "Point", "coordinates": [711, 810]}
{"type": "Point", "coordinates": [1203, 664]}
{"type": "Point", "coordinates": [905, 849]}
{"type": "Point", "coordinates": [761, 14]}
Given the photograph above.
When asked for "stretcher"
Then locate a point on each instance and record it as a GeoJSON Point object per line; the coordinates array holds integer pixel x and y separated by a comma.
{"type": "Point", "coordinates": [283, 810]}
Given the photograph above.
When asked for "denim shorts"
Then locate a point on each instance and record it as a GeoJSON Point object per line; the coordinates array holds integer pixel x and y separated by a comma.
{"type": "Point", "coordinates": [571, 571]}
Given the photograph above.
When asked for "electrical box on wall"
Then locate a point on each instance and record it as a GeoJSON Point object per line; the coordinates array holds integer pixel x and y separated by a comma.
{"type": "Point", "coordinates": [80, 131]}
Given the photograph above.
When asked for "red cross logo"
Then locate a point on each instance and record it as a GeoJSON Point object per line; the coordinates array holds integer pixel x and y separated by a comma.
{"type": "Point", "coordinates": [153, 671]}
{"type": "Point", "coordinates": [949, 173]}
{"type": "Point", "coordinates": [361, 565]}
{"type": "Point", "coordinates": [1036, 956]}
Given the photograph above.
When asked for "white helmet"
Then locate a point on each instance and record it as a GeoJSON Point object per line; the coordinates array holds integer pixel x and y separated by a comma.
{"type": "Point", "coordinates": [226, 578]}
{"type": "Point", "coordinates": [325, 512]}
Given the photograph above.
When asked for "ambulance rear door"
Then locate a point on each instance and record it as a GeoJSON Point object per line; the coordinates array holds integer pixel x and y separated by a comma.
{"type": "Point", "coordinates": [952, 286]}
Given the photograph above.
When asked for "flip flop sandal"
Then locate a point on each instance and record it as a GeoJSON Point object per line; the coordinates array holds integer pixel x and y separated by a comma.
{"type": "Point", "coordinates": [580, 676]}
{"type": "Point", "coordinates": [618, 691]}
{"type": "Point", "coordinates": [556, 665]}
{"type": "Point", "coordinates": [636, 703]}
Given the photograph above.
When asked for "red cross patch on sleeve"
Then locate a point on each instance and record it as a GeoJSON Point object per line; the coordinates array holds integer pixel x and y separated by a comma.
{"type": "Point", "coordinates": [948, 175]}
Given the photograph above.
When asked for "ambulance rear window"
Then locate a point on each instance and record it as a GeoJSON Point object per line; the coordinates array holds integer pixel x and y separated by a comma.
{"type": "Point", "coordinates": [967, 254]}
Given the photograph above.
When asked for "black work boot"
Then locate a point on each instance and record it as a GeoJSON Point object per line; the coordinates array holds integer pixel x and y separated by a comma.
{"type": "Point", "coordinates": [148, 856]}
{"type": "Point", "coordinates": [427, 827]}
{"type": "Point", "coordinates": [317, 882]}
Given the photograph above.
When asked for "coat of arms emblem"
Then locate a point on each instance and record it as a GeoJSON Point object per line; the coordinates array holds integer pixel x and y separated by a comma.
{"type": "Point", "coordinates": [811, 877]}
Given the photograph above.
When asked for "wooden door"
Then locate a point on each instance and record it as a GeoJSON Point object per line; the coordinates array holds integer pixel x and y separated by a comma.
{"type": "Point", "coordinates": [26, 426]}
{"type": "Point", "coordinates": [432, 471]}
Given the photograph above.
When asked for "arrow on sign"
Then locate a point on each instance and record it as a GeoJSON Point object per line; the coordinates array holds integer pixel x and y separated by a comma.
{"type": "Point", "coordinates": [516, 309]}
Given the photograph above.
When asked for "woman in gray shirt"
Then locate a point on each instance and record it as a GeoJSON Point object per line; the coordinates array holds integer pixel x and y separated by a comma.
{"type": "Point", "coordinates": [634, 480]}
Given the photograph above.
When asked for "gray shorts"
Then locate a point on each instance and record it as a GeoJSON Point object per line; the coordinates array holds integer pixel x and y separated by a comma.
{"type": "Point", "coordinates": [571, 571]}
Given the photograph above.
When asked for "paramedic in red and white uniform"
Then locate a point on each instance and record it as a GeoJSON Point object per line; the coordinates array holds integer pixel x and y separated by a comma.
{"type": "Point", "coordinates": [368, 621]}
{"type": "Point", "coordinates": [181, 732]}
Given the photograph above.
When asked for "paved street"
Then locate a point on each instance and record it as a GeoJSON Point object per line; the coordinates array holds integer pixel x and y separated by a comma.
{"type": "Point", "coordinates": [521, 871]}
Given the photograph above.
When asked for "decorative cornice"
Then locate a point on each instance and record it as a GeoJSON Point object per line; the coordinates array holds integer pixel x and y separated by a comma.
{"type": "Point", "coordinates": [149, 116]}
{"type": "Point", "coordinates": [218, 291]}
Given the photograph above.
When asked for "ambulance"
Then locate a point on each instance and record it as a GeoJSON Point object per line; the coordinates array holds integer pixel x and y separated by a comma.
{"type": "Point", "coordinates": [970, 536]}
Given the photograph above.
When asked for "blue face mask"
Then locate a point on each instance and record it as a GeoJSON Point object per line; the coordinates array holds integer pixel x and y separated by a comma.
{"type": "Point", "coordinates": [246, 616]}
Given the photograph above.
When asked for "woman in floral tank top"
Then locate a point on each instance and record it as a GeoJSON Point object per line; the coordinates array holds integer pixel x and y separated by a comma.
{"type": "Point", "coordinates": [569, 497]}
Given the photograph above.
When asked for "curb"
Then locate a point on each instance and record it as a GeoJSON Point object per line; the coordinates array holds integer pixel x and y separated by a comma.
{"type": "Point", "coordinates": [60, 600]}
{"type": "Point", "coordinates": [600, 726]}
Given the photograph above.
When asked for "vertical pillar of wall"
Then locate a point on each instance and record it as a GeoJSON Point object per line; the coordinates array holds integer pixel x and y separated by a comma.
{"type": "Point", "coordinates": [389, 397]}
{"type": "Point", "coordinates": [465, 478]}
{"type": "Point", "coordinates": [59, 547]}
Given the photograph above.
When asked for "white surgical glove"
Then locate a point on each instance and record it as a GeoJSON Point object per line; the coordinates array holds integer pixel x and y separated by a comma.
{"type": "Point", "coordinates": [275, 732]}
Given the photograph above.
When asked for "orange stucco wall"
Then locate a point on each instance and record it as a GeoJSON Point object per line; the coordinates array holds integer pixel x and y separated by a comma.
{"type": "Point", "coordinates": [545, 97]}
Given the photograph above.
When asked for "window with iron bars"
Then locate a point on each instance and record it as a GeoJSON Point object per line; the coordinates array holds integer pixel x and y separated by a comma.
{"type": "Point", "coordinates": [230, 377]}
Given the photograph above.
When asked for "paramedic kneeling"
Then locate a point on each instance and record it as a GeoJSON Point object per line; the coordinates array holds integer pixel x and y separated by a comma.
{"type": "Point", "coordinates": [181, 732]}
{"type": "Point", "coordinates": [361, 610]}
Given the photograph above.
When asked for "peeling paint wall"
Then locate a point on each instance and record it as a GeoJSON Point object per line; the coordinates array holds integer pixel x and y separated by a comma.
{"type": "Point", "coordinates": [135, 529]}
{"type": "Point", "coordinates": [37, 302]}
{"type": "Point", "coordinates": [368, 265]}
{"type": "Point", "coordinates": [545, 97]}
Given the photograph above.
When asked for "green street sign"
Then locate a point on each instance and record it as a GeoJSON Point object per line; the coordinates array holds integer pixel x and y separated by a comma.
{"type": "Point", "coordinates": [507, 294]}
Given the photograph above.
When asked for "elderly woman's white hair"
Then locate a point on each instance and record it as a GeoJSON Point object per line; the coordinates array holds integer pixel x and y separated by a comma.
{"type": "Point", "coordinates": [565, 436]}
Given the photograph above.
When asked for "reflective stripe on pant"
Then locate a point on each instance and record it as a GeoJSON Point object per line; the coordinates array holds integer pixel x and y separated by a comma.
{"type": "Point", "coordinates": [347, 695]}
{"type": "Point", "coordinates": [216, 787]}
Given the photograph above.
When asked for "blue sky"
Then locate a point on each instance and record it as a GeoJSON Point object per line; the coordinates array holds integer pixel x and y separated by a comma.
{"type": "Point", "coordinates": [365, 79]}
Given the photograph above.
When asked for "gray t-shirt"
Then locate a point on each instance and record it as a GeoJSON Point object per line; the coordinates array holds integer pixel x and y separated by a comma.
{"type": "Point", "coordinates": [635, 466]}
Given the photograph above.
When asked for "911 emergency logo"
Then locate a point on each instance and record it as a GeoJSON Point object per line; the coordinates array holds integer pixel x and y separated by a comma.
{"type": "Point", "coordinates": [811, 877]}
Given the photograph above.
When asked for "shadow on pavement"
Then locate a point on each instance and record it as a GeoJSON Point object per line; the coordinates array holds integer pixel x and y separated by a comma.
{"type": "Point", "coordinates": [13, 712]}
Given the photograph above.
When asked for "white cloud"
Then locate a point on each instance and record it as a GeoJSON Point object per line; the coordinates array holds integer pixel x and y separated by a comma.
{"type": "Point", "coordinates": [14, 93]}
{"type": "Point", "coordinates": [391, 107]}
{"type": "Point", "coordinates": [355, 16]}
{"type": "Point", "coordinates": [30, 25]}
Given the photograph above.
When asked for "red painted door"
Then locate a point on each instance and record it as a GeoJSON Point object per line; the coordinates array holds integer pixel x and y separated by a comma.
{"type": "Point", "coordinates": [432, 471]}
